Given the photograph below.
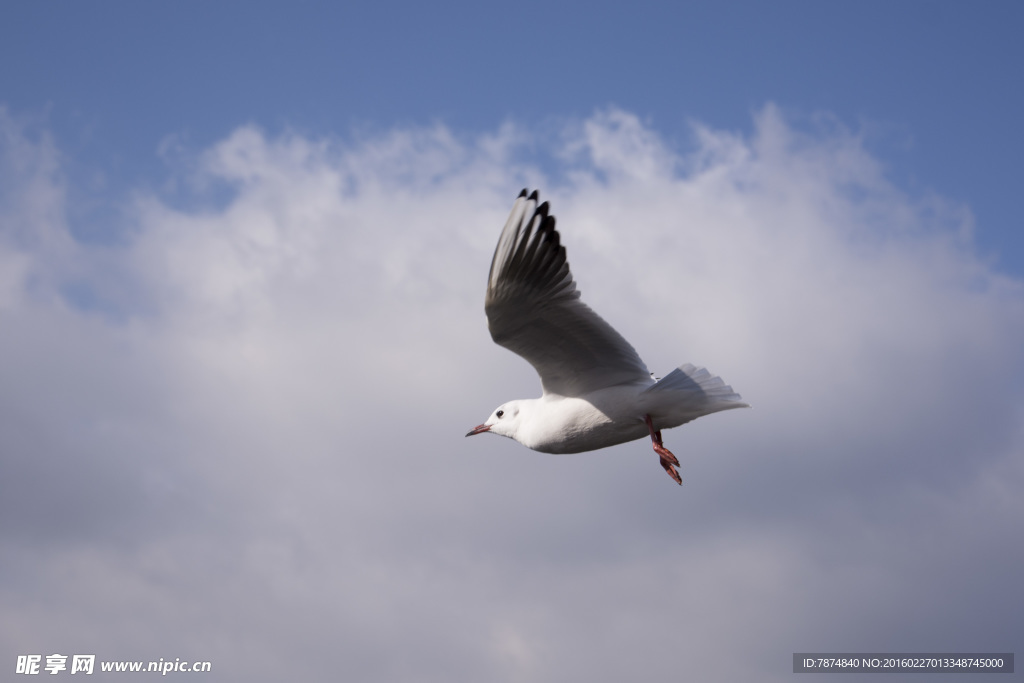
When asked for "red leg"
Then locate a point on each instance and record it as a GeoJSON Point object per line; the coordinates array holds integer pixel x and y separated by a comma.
{"type": "Point", "coordinates": [668, 460]}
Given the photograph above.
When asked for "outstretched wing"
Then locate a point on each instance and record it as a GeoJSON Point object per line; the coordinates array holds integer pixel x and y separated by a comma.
{"type": "Point", "coordinates": [534, 309]}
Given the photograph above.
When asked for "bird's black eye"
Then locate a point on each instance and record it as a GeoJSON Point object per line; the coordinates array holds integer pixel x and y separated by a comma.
{"type": "Point", "coordinates": [500, 413]}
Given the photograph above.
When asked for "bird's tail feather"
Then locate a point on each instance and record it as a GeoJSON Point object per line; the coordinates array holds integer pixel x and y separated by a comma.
{"type": "Point", "coordinates": [703, 388]}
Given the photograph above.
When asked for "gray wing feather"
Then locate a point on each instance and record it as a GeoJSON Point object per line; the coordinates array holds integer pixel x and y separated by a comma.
{"type": "Point", "coordinates": [534, 309]}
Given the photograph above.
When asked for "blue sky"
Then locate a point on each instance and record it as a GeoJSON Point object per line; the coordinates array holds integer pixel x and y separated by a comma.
{"type": "Point", "coordinates": [243, 249]}
{"type": "Point", "coordinates": [931, 85]}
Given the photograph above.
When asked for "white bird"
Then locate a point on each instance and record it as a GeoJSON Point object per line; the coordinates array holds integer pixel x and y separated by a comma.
{"type": "Point", "coordinates": [596, 390]}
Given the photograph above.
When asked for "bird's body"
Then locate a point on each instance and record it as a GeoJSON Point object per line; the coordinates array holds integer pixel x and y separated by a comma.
{"type": "Point", "coordinates": [597, 391]}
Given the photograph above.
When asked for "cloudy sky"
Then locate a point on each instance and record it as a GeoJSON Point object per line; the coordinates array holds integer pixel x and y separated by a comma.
{"type": "Point", "coordinates": [242, 259]}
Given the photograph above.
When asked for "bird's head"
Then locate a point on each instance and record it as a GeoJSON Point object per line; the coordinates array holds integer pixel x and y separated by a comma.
{"type": "Point", "coordinates": [504, 421]}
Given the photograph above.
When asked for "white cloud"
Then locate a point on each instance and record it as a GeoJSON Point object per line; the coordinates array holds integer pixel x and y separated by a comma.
{"type": "Point", "coordinates": [251, 450]}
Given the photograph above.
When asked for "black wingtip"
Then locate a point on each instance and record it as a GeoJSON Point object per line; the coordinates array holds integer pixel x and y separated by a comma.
{"type": "Point", "coordinates": [522, 193]}
{"type": "Point", "coordinates": [533, 195]}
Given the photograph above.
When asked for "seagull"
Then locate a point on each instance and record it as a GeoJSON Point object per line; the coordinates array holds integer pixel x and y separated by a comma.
{"type": "Point", "coordinates": [596, 390]}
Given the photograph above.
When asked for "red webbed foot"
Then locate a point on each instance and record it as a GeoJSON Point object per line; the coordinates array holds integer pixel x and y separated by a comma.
{"type": "Point", "coordinates": [668, 460]}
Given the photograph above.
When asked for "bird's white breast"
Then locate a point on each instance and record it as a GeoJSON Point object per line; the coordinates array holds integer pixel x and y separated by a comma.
{"type": "Point", "coordinates": [556, 424]}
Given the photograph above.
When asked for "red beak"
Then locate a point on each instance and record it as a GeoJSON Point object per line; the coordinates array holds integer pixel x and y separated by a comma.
{"type": "Point", "coordinates": [479, 429]}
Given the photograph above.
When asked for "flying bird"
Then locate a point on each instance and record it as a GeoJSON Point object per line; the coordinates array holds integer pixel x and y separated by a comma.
{"type": "Point", "coordinates": [596, 390]}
